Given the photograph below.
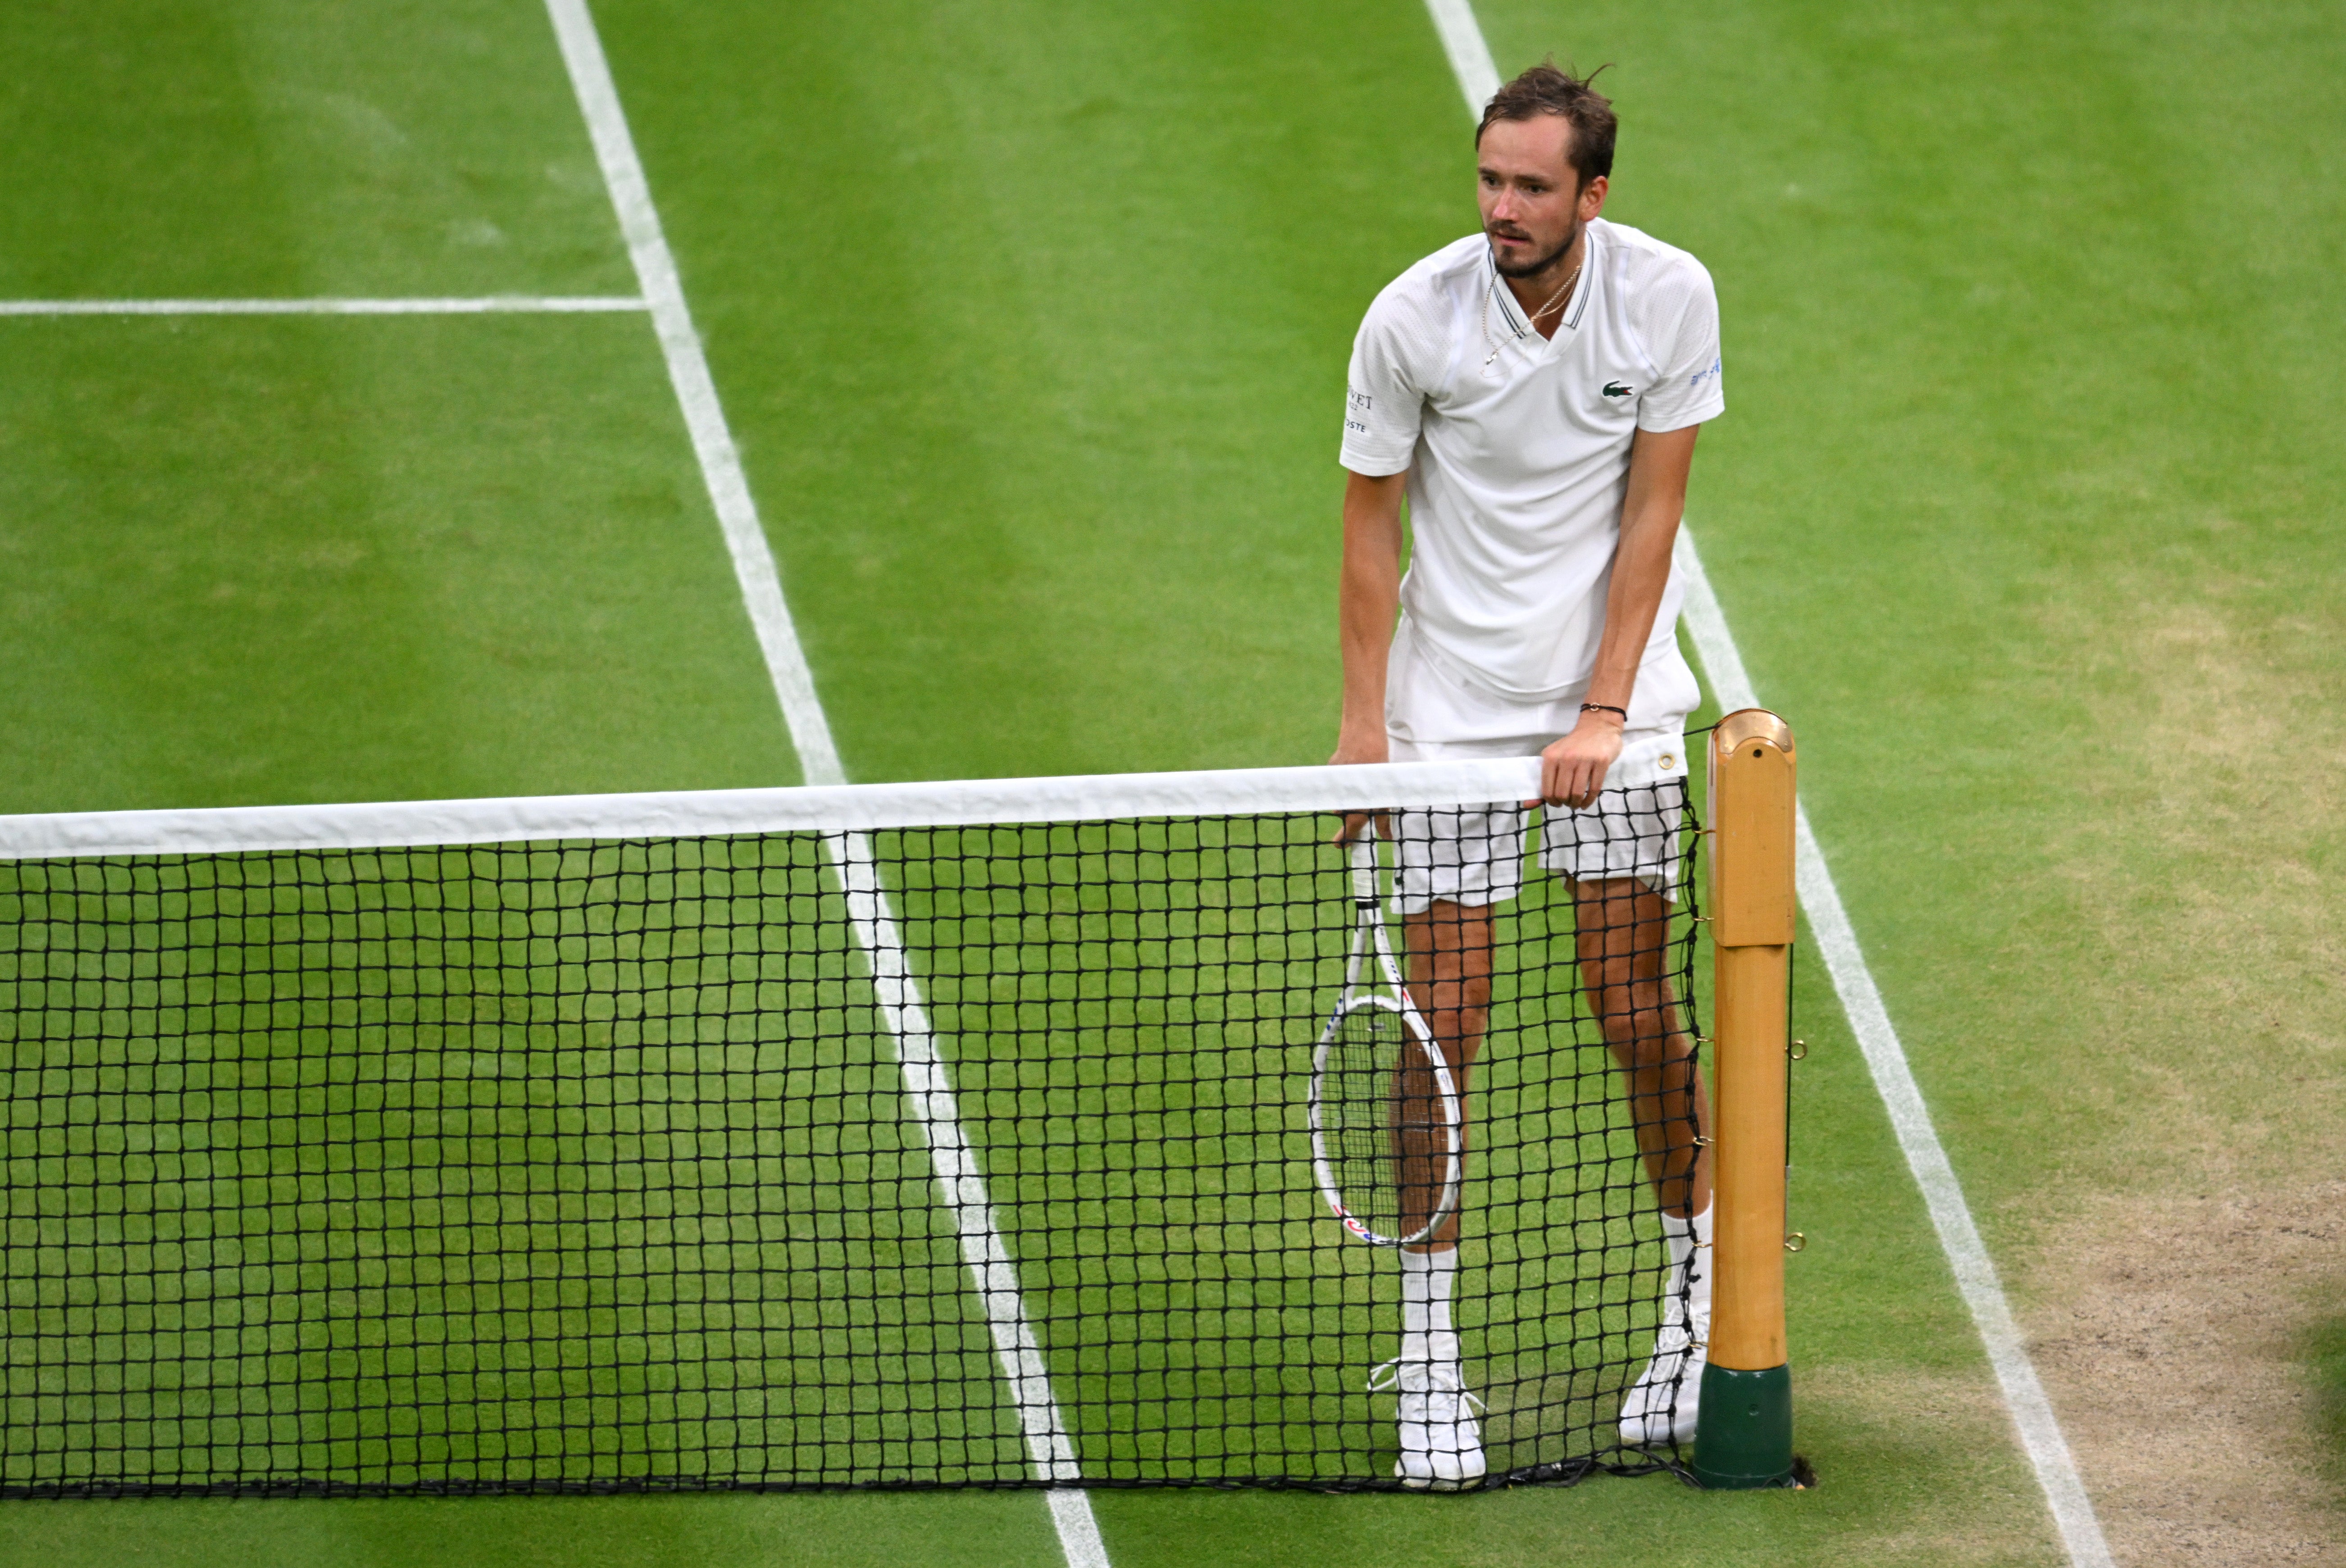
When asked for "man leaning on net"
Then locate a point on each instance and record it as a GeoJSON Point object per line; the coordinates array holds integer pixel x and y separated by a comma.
{"type": "Point", "coordinates": [1536, 391]}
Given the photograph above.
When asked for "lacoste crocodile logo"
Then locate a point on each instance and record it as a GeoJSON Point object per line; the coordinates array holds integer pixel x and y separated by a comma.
{"type": "Point", "coordinates": [1614, 389]}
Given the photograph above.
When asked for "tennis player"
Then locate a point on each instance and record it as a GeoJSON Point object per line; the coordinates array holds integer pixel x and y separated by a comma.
{"type": "Point", "coordinates": [1536, 391]}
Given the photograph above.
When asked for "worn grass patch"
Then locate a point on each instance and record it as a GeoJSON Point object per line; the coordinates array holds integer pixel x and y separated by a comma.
{"type": "Point", "coordinates": [2181, 1342]}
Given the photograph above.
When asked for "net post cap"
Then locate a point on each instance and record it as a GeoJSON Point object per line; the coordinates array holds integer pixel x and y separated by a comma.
{"type": "Point", "coordinates": [1750, 724]}
{"type": "Point", "coordinates": [1753, 768]}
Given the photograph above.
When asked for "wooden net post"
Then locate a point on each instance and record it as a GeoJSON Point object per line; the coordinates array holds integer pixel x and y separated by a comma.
{"type": "Point", "coordinates": [1744, 1435]}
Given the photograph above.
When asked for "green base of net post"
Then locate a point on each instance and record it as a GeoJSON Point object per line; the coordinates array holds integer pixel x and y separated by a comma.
{"type": "Point", "coordinates": [1744, 1438]}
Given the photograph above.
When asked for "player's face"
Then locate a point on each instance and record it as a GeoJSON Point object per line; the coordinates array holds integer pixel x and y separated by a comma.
{"type": "Point", "coordinates": [1533, 201]}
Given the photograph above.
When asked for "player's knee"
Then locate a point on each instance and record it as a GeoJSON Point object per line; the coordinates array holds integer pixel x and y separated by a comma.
{"type": "Point", "coordinates": [1626, 1011]}
{"type": "Point", "coordinates": [1643, 1040]}
{"type": "Point", "coordinates": [1614, 972]}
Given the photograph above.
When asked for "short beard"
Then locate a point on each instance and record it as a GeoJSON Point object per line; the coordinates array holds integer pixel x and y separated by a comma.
{"type": "Point", "coordinates": [1533, 269]}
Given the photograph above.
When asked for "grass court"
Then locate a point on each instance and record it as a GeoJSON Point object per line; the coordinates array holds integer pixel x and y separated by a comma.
{"type": "Point", "coordinates": [1031, 323]}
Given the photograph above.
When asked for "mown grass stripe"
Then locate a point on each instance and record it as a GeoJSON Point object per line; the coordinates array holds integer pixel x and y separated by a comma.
{"type": "Point", "coordinates": [926, 1079]}
{"type": "Point", "coordinates": [695, 391]}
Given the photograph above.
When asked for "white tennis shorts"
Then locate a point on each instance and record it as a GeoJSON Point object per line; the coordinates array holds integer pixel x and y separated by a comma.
{"type": "Point", "coordinates": [1475, 855]}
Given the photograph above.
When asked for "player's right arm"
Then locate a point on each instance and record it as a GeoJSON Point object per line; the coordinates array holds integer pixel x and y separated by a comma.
{"type": "Point", "coordinates": [1368, 599]}
{"type": "Point", "coordinates": [1382, 409]}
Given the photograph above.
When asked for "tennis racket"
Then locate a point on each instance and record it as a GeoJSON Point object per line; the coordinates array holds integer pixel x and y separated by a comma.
{"type": "Point", "coordinates": [1386, 1125]}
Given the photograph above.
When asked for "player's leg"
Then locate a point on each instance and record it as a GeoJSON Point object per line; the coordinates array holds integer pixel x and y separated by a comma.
{"type": "Point", "coordinates": [1623, 856]}
{"type": "Point", "coordinates": [1623, 943]}
{"type": "Point", "coordinates": [1454, 866]}
{"type": "Point", "coordinates": [1449, 960]}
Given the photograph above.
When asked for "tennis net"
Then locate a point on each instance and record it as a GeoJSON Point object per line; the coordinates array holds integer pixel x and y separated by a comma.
{"type": "Point", "coordinates": [876, 1136]}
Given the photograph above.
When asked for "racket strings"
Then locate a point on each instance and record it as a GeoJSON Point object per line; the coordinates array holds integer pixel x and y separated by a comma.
{"type": "Point", "coordinates": [1390, 1130]}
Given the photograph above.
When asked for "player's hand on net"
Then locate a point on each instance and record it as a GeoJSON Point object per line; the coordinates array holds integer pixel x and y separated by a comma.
{"type": "Point", "coordinates": [1573, 769]}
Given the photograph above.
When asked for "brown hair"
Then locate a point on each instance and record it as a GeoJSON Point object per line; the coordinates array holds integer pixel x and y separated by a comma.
{"type": "Point", "coordinates": [1544, 90]}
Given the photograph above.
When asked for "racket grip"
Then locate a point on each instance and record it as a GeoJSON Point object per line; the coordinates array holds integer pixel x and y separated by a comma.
{"type": "Point", "coordinates": [1364, 869]}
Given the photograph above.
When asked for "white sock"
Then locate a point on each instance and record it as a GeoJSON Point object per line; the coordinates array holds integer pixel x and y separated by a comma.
{"type": "Point", "coordinates": [1689, 1244]}
{"type": "Point", "coordinates": [1427, 1279]}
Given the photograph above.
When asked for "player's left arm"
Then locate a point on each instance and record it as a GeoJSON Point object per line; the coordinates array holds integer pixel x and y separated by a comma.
{"type": "Point", "coordinates": [1573, 769]}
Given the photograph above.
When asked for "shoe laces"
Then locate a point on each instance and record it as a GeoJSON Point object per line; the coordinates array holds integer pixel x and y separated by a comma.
{"type": "Point", "coordinates": [1387, 1378]}
{"type": "Point", "coordinates": [1467, 1397]}
{"type": "Point", "coordinates": [1432, 1377]}
{"type": "Point", "coordinates": [1676, 1338]}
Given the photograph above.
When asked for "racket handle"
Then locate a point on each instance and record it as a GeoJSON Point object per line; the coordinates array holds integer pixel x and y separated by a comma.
{"type": "Point", "coordinates": [1365, 868]}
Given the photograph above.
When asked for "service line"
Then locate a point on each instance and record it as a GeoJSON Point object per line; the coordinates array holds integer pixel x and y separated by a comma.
{"type": "Point", "coordinates": [928, 1087]}
{"type": "Point", "coordinates": [482, 305]}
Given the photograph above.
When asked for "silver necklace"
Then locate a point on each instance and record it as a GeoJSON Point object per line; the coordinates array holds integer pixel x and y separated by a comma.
{"type": "Point", "coordinates": [1489, 295]}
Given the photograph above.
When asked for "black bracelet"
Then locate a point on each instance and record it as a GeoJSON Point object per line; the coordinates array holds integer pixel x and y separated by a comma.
{"type": "Point", "coordinates": [1605, 708]}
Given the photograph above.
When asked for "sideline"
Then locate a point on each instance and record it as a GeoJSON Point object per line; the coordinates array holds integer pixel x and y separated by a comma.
{"type": "Point", "coordinates": [1910, 1116]}
{"type": "Point", "coordinates": [927, 1087]}
{"type": "Point", "coordinates": [1861, 999]}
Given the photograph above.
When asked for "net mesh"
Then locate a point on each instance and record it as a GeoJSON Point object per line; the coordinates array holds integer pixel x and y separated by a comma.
{"type": "Point", "coordinates": [940, 1156]}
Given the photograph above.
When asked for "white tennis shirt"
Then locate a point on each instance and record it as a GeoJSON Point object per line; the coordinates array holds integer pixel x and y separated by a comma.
{"type": "Point", "coordinates": [1518, 464]}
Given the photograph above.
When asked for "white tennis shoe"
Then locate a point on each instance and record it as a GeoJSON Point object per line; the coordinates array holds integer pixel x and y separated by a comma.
{"type": "Point", "coordinates": [1661, 1406]}
{"type": "Point", "coordinates": [1441, 1440]}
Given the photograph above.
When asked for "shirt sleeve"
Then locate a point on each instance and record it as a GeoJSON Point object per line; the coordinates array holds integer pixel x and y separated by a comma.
{"type": "Point", "coordinates": [1382, 400]}
{"type": "Point", "coordinates": [1685, 343]}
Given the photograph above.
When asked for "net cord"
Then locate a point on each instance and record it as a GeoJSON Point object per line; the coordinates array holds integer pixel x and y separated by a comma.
{"type": "Point", "coordinates": [710, 813]}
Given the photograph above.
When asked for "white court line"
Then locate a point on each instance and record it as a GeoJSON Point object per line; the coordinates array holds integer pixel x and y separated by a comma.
{"type": "Point", "coordinates": [1909, 1116]}
{"type": "Point", "coordinates": [484, 305]}
{"type": "Point", "coordinates": [927, 1083]}
{"type": "Point", "coordinates": [1861, 999]}
{"type": "Point", "coordinates": [1470, 55]}
{"type": "Point", "coordinates": [687, 371]}
{"type": "Point", "coordinates": [928, 1087]}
